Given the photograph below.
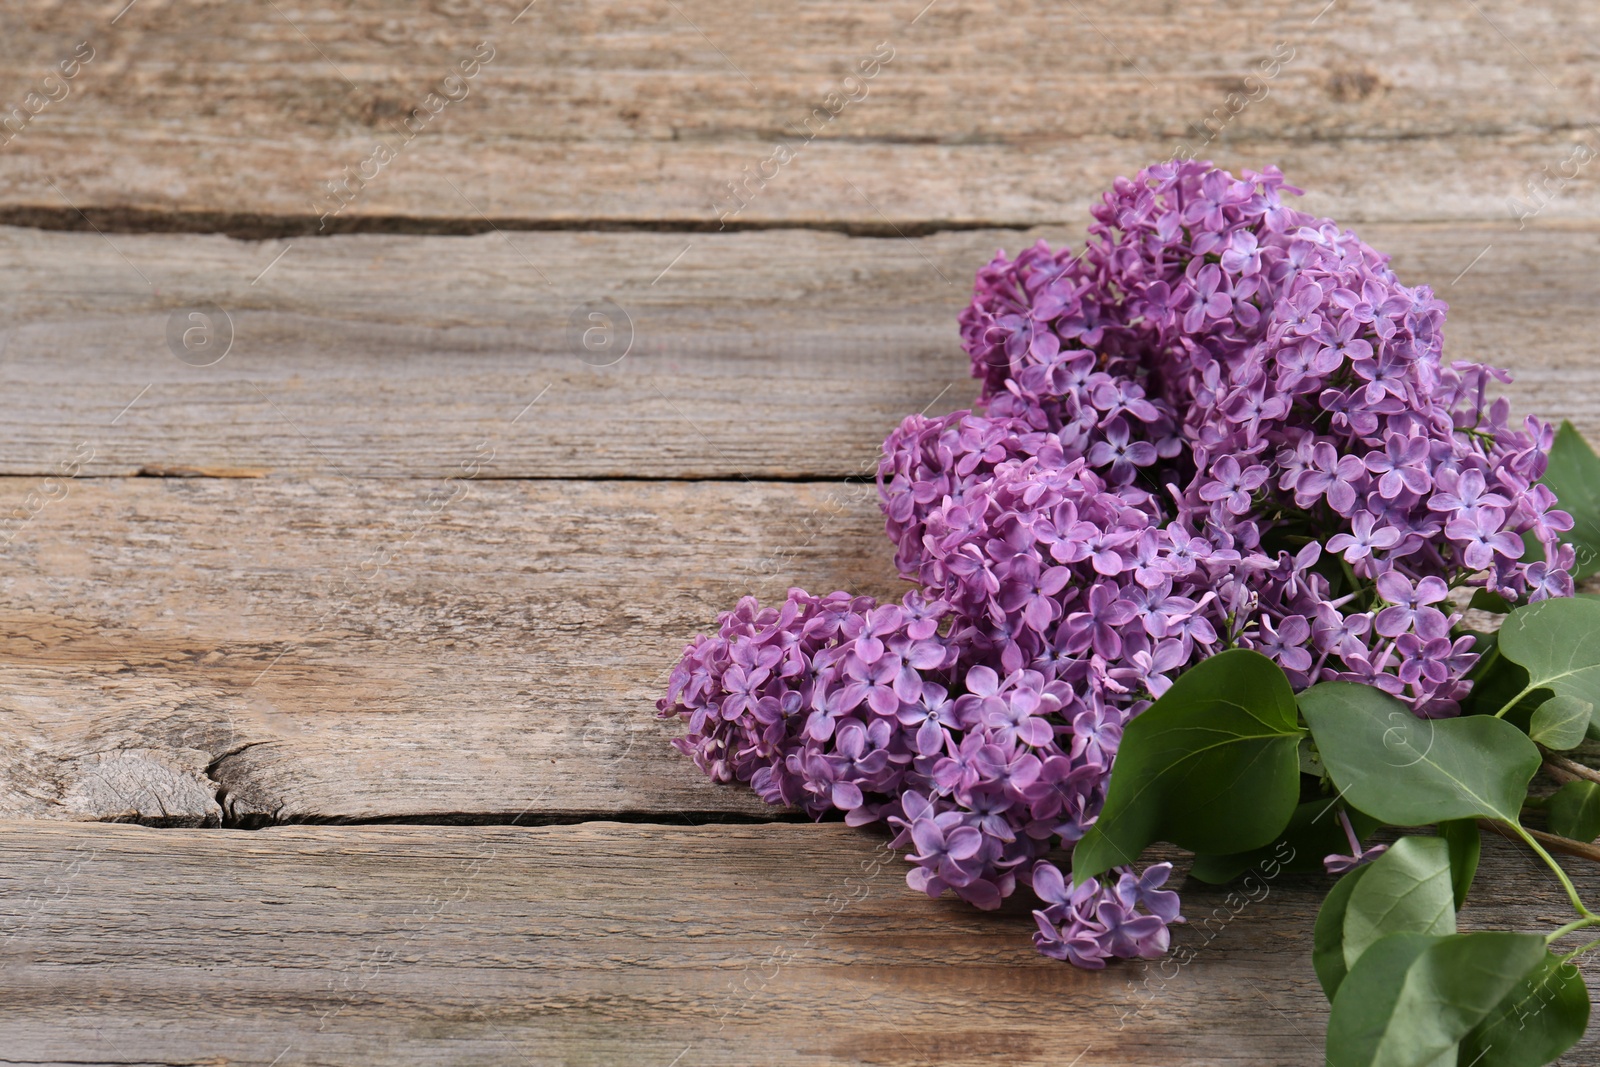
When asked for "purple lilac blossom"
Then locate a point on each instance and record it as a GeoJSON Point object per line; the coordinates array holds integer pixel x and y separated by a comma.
{"type": "Point", "coordinates": [840, 703]}
{"type": "Point", "coordinates": [1324, 446]}
{"type": "Point", "coordinates": [1224, 423]}
{"type": "Point", "coordinates": [1339, 863]}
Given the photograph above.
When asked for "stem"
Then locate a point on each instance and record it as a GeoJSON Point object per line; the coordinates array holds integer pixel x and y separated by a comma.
{"type": "Point", "coordinates": [1567, 846]}
{"type": "Point", "coordinates": [1571, 767]}
{"type": "Point", "coordinates": [1349, 574]}
{"type": "Point", "coordinates": [1513, 702]}
{"type": "Point", "coordinates": [1488, 661]}
{"type": "Point", "coordinates": [1575, 953]}
{"type": "Point", "coordinates": [1349, 833]}
{"type": "Point", "coordinates": [1557, 935]}
{"type": "Point", "coordinates": [1561, 875]}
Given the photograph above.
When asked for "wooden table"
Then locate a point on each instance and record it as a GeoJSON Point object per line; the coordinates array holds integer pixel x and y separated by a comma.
{"type": "Point", "coordinates": [338, 564]}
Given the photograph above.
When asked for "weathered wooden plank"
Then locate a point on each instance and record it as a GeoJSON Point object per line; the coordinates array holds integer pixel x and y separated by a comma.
{"type": "Point", "coordinates": [789, 355]}
{"type": "Point", "coordinates": [603, 943]}
{"type": "Point", "coordinates": [634, 113]}
{"type": "Point", "coordinates": [173, 649]}
{"type": "Point", "coordinates": [196, 651]}
{"type": "Point", "coordinates": [758, 354]}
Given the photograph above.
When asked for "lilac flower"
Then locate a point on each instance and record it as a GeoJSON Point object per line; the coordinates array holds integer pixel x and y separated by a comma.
{"type": "Point", "coordinates": [1089, 925]}
{"type": "Point", "coordinates": [1243, 254]}
{"type": "Point", "coordinates": [1429, 660]}
{"type": "Point", "coordinates": [1404, 600]}
{"type": "Point", "coordinates": [830, 703]}
{"type": "Point", "coordinates": [1337, 864]}
{"type": "Point", "coordinates": [1546, 581]}
{"type": "Point", "coordinates": [1150, 565]}
{"type": "Point", "coordinates": [1385, 375]}
{"type": "Point", "coordinates": [1400, 464]}
{"type": "Point", "coordinates": [932, 715]}
{"type": "Point", "coordinates": [1338, 342]}
{"type": "Point", "coordinates": [1233, 486]}
{"type": "Point", "coordinates": [1286, 643]}
{"type": "Point", "coordinates": [969, 761]}
{"type": "Point", "coordinates": [1130, 934]}
{"type": "Point", "coordinates": [854, 763]}
{"type": "Point", "coordinates": [1483, 536]}
{"type": "Point", "coordinates": [1176, 424]}
{"type": "Point", "coordinates": [945, 848]}
{"type": "Point", "coordinates": [1145, 889]}
{"type": "Point", "coordinates": [1032, 592]}
{"type": "Point", "coordinates": [1339, 634]}
{"type": "Point", "coordinates": [1097, 626]}
{"type": "Point", "coordinates": [1066, 932]}
{"type": "Point", "coordinates": [1119, 453]}
{"type": "Point", "coordinates": [1254, 408]}
{"type": "Point", "coordinates": [877, 681]}
{"type": "Point", "coordinates": [1212, 298]}
{"type": "Point", "coordinates": [1219, 195]}
{"type": "Point", "coordinates": [1150, 671]}
{"type": "Point", "coordinates": [1096, 733]}
{"type": "Point", "coordinates": [743, 688]}
{"type": "Point", "coordinates": [1302, 309]}
{"type": "Point", "coordinates": [1364, 538]}
{"type": "Point", "coordinates": [1192, 629]}
{"type": "Point", "coordinates": [1331, 475]}
{"type": "Point", "coordinates": [1018, 720]}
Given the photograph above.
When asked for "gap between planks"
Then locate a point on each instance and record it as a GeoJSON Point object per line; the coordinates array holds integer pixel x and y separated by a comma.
{"type": "Point", "coordinates": [249, 226]}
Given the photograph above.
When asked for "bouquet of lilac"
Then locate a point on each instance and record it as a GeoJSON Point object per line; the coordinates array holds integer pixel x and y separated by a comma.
{"type": "Point", "coordinates": [1217, 460]}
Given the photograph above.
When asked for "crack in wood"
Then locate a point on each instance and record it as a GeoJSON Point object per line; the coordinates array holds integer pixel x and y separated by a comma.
{"type": "Point", "coordinates": [253, 226]}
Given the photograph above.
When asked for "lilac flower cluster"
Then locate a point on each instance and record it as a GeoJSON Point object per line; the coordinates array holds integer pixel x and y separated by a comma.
{"type": "Point", "coordinates": [1224, 423]}
{"type": "Point", "coordinates": [1351, 478]}
{"type": "Point", "coordinates": [839, 703]}
{"type": "Point", "coordinates": [809, 702]}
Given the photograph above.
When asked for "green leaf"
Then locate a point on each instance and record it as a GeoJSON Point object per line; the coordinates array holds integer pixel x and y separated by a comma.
{"type": "Point", "coordinates": [1408, 891]}
{"type": "Point", "coordinates": [1575, 811]}
{"type": "Point", "coordinates": [1408, 771]}
{"type": "Point", "coordinates": [1484, 600]}
{"type": "Point", "coordinates": [1310, 762]}
{"type": "Point", "coordinates": [1557, 641]}
{"type": "Point", "coordinates": [1361, 1018]}
{"type": "Point", "coordinates": [1544, 1015]}
{"type": "Point", "coordinates": [1313, 832]}
{"type": "Point", "coordinates": [1327, 937]}
{"type": "Point", "coordinates": [1495, 681]}
{"type": "Point", "coordinates": [1411, 998]}
{"type": "Point", "coordinates": [1574, 476]}
{"type": "Point", "coordinates": [1465, 844]}
{"type": "Point", "coordinates": [1561, 722]}
{"type": "Point", "coordinates": [1212, 766]}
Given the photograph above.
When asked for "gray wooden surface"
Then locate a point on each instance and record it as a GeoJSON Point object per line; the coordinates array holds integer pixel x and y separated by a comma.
{"type": "Point", "coordinates": [784, 354]}
{"type": "Point", "coordinates": [407, 552]}
{"type": "Point", "coordinates": [602, 943]}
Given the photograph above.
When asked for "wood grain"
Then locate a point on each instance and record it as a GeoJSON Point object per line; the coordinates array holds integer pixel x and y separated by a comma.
{"type": "Point", "coordinates": [180, 651]}
{"type": "Point", "coordinates": [603, 943]}
{"type": "Point", "coordinates": [786, 355]}
{"type": "Point", "coordinates": [409, 552]}
{"type": "Point", "coordinates": [638, 112]}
